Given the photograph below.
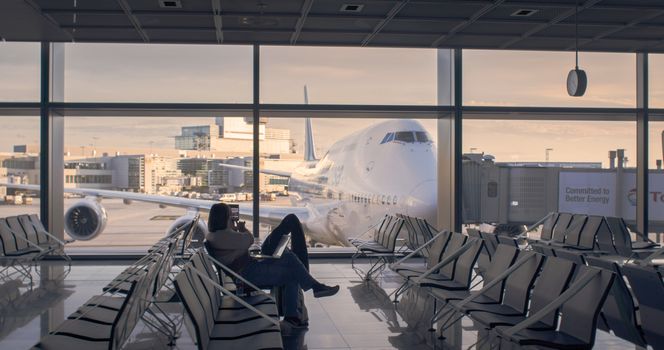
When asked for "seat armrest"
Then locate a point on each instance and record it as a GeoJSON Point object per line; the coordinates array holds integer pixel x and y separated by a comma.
{"type": "Point", "coordinates": [411, 254]}
{"type": "Point", "coordinates": [576, 287]}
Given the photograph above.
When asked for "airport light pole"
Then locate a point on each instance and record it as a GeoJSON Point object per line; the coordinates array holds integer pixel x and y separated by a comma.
{"type": "Point", "coordinates": [546, 153]}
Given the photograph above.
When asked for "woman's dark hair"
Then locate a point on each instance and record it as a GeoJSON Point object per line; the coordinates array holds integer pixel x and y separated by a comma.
{"type": "Point", "coordinates": [218, 218]}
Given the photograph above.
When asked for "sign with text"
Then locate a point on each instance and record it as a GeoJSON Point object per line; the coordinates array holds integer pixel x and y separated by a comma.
{"type": "Point", "coordinates": [596, 193]}
{"type": "Point", "coordinates": [588, 193]}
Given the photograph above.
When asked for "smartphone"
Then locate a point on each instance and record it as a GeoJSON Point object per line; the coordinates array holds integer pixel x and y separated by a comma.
{"type": "Point", "coordinates": [235, 212]}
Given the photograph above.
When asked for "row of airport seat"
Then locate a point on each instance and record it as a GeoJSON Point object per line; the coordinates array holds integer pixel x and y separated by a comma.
{"type": "Point", "coordinates": [221, 318]}
{"type": "Point", "coordinates": [562, 298]}
{"type": "Point", "coordinates": [379, 244]}
{"type": "Point", "coordinates": [24, 241]}
{"type": "Point", "coordinates": [384, 242]}
{"type": "Point", "coordinates": [590, 233]}
{"type": "Point", "coordinates": [107, 320]}
{"type": "Point", "coordinates": [419, 232]}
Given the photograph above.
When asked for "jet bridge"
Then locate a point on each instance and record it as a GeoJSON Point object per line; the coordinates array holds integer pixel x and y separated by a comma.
{"type": "Point", "coordinates": [522, 193]}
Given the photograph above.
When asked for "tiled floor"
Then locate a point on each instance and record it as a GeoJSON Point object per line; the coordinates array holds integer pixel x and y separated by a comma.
{"type": "Point", "coordinates": [361, 316]}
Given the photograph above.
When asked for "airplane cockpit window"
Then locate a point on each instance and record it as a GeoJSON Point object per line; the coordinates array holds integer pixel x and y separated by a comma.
{"type": "Point", "coordinates": [422, 136]}
{"type": "Point", "coordinates": [388, 137]}
{"type": "Point", "coordinates": [407, 137]}
{"type": "Point", "coordinates": [404, 136]}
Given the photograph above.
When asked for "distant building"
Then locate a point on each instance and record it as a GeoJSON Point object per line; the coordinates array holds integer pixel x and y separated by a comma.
{"type": "Point", "coordinates": [89, 173]}
{"type": "Point", "coordinates": [214, 177]}
{"type": "Point", "coordinates": [33, 148]}
{"type": "Point", "coordinates": [233, 135]}
{"type": "Point", "coordinates": [151, 174]}
{"type": "Point", "coordinates": [21, 166]}
{"type": "Point", "coordinates": [3, 178]}
{"type": "Point", "coordinates": [228, 141]}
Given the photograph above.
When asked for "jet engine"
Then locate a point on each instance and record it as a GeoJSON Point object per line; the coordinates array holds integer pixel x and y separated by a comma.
{"type": "Point", "coordinates": [85, 220]}
{"type": "Point", "coordinates": [199, 233]}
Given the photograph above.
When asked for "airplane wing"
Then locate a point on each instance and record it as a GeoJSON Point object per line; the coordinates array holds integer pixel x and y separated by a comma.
{"type": "Point", "coordinates": [131, 196]}
{"type": "Point", "coordinates": [264, 171]}
{"type": "Point", "coordinates": [268, 214]}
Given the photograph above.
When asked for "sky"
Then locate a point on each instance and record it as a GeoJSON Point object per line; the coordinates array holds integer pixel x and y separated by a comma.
{"type": "Point", "coordinates": [223, 74]}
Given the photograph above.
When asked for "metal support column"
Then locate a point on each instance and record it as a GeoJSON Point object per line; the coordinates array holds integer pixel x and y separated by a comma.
{"type": "Point", "coordinates": [256, 154]}
{"type": "Point", "coordinates": [642, 119]}
{"type": "Point", "coordinates": [449, 140]}
{"type": "Point", "coordinates": [52, 138]}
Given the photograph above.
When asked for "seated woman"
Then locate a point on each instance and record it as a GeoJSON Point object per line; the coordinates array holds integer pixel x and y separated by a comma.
{"type": "Point", "coordinates": [230, 244]}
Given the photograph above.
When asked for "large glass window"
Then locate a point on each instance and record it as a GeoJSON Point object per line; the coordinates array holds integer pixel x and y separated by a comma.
{"type": "Point", "coordinates": [656, 81]}
{"type": "Point", "coordinates": [19, 164]}
{"type": "Point", "coordinates": [341, 75]}
{"type": "Point", "coordinates": [19, 72]}
{"type": "Point", "coordinates": [158, 73]}
{"type": "Point", "coordinates": [656, 178]}
{"type": "Point", "coordinates": [517, 171]}
{"type": "Point", "coordinates": [364, 169]}
{"type": "Point", "coordinates": [521, 78]}
{"type": "Point", "coordinates": [176, 158]}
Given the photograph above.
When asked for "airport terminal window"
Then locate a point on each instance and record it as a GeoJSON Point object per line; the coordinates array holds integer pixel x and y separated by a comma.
{"type": "Point", "coordinates": [517, 171]}
{"type": "Point", "coordinates": [656, 81]}
{"type": "Point", "coordinates": [351, 188]}
{"type": "Point", "coordinates": [521, 78]}
{"type": "Point", "coordinates": [656, 179]}
{"type": "Point", "coordinates": [19, 72]}
{"type": "Point", "coordinates": [174, 157]}
{"type": "Point", "coordinates": [158, 73]}
{"type": "Point", "coordinates": [19, 163]}
{"type": "Point", "coordinates": [348, 75]}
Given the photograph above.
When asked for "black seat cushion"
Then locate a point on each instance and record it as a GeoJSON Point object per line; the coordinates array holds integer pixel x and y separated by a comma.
{"type": "Point", "coordinates": [447, 295]}
{"type": "Point", "coordinates": [492, 320]}
{"type": "Point", "coordinates": [448, 285]}
{"type": "Point", "coordinates": [549, 338]}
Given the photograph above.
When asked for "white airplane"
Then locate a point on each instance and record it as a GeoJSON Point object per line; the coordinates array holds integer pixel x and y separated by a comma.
{"type": "Point", "coordinates": [389, 167]}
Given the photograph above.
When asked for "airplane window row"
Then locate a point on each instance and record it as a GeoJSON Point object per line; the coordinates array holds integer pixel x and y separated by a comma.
{"type": "Point", "coordinates": [374, 199]}
{"type": "Point", "coordinates": [406, 137]}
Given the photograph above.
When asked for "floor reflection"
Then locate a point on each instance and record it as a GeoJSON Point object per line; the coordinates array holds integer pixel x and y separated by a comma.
{"type": "Point", "coordinates": [23, 300]}
{"type": "Point", "coordinates": [360, 316]}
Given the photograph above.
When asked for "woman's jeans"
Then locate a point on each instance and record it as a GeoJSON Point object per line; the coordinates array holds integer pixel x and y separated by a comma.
{"type": "Point", "coordinates": [291, 271]}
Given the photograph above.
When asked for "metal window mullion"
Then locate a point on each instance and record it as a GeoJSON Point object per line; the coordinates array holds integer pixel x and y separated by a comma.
{"type": "Point", "coordinates": [642, 120]}
{"type": "Point", "coordinates": [256, 150]}
{"type": "Point", "coordinates": [458, 142]}
{"type": "Point", "coordinates": [44, 139]}
{"type": "Point", "coordinates": [51, 127]}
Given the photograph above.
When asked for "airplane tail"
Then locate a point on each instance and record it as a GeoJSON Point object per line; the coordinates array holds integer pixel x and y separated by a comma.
{"type": "Point", "coordinates": [309, 144]}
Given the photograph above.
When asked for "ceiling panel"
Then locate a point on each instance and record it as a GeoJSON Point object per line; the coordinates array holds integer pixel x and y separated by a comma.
{"type": "Point", "coordinates": [615, 25]}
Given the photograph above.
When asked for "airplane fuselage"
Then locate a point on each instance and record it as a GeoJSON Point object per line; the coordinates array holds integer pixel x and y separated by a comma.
{"type": "Point", "coordinates": [389, 167]}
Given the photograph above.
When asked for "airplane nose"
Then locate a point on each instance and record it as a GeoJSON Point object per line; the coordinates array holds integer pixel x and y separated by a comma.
{"type": "Point", "coordinates": [421, 202]}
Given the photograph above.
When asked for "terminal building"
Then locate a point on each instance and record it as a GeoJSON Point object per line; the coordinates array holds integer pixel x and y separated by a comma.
{"type": "Point", "coordinates": [420, 174]}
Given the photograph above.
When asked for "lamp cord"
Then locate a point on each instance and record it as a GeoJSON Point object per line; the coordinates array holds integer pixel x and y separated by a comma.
{"type": "Point", "coordinates": [576, 32]}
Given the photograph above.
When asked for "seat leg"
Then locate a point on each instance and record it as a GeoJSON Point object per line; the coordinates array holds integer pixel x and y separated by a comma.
{"type": "Point", "coordinates": [447, 324]}
{"type": "Point", "coordinates": [406, 286]}
{"type": "Point", "coordinates": [435, 311]}
{"type": "Point", "coordinates": [398, 292]}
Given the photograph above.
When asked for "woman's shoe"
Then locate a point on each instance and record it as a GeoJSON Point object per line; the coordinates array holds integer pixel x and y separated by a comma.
{"type": "Point", "coordinates": [323, 290]}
